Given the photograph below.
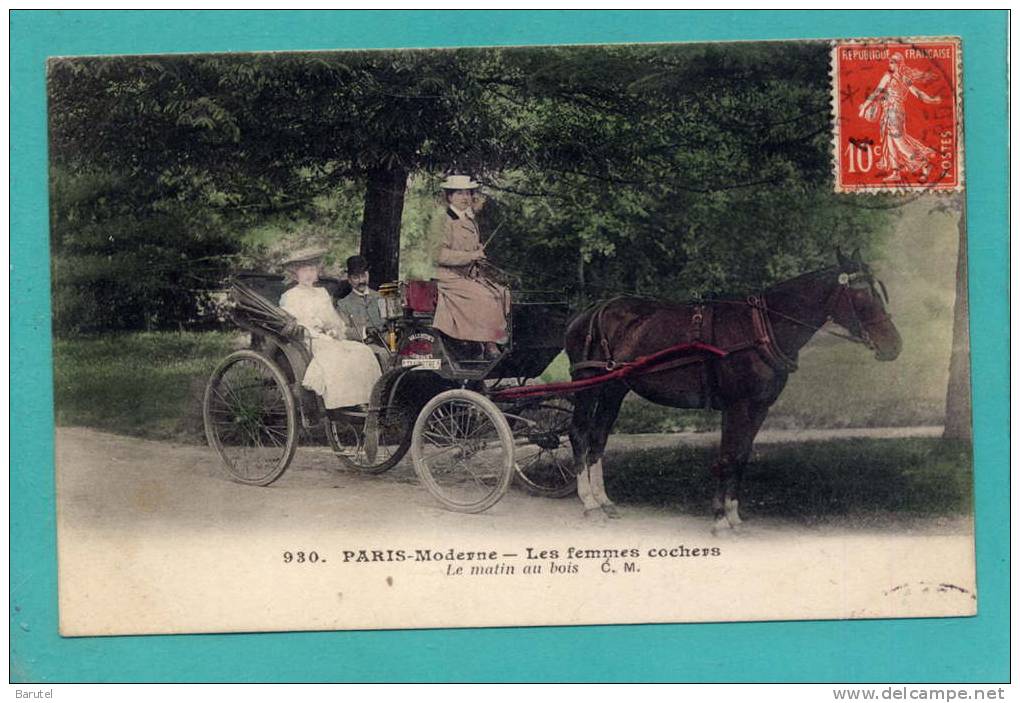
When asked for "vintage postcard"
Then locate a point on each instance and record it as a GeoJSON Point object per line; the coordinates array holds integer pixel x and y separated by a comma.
{"type": "Point", "coordinates": [511, 336]}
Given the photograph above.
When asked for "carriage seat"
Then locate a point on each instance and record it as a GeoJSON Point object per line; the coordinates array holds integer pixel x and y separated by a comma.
{"type": "Point", "coordinates": [420, 297]}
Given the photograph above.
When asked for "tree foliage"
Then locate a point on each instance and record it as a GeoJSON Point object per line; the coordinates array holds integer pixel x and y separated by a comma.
{"type": "Point", "coordinates": [675, 170]}
{"type": "Point", "coordinates": [684, 169]}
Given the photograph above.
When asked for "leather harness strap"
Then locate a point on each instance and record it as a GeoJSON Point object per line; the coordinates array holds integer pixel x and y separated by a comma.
{"type": "Point", "coordinates": [603, 365]}
{"type": "Point", "coordinates": [765, 336]}
{"type": "Point", "coordinates": [701, 327]}
{"type": "Point", "coordinates": [595, 329]}
{"type": "Point", "coordinates": [763, 341]}
{"type": "Point", "coordinates": [651, 363]}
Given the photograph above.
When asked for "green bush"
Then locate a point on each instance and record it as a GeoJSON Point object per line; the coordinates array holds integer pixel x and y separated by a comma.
{"type": "Point", "coordinates": [123, 259]}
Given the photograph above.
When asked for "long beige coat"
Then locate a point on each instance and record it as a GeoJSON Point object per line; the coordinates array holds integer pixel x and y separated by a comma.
{"type": "Point", "coordinates": [470, 306]}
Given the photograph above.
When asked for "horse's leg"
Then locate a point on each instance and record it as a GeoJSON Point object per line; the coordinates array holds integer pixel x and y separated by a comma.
{"type": "Point", "coordinates": [605, 417]}
{"type": "Point", "coordinates": [756, 414]}
{"type": "Point", "coordinates": [580, 441]}
{"type": "Point", "coordinates": [735, 417]}
{"type": "Point", "coordinates": [740, 424]}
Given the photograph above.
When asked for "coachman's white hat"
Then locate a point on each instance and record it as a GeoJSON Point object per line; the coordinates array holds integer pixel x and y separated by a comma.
{"type": "Point", "coordinates": [308, 255]}
{"type": "Point", "coordinates": [458, 182]}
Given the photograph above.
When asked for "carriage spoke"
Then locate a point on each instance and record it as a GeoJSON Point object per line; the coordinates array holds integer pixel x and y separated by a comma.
{"type": "Point", "coordinates": [227, 403]}
{"type": "Point", "coordinates": [461, 454]}
{"type": "Point", "coordinates": [275, 431]}
{"type": "Point", "coordinates": [529, 462]}
{"type": "Point", "coordinates": [270, 431]}
{"type": "Point", "coordinates": [475, 476]}
{"type": "Point", "coordinates": [250, 417]}
{"type": "Point", "coordinates": [434, 438]}
{"type": "Point", "coordinates": [544, 457]}
{"type": "Point", "coordinates": [233, 393]}
{"type": "Point", "coordinates": [448, 419]}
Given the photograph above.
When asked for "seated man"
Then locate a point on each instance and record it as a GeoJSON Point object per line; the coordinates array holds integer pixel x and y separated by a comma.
{"type": "Point", "coordinates": [364, 310]}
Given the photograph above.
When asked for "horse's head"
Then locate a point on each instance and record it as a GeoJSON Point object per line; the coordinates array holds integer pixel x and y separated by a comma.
{"type": "Point", "coordinates": [858, 304]}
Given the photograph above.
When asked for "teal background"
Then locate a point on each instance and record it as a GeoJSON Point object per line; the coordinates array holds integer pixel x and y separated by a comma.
{"type": "Point", "coordinates": [960, 649]}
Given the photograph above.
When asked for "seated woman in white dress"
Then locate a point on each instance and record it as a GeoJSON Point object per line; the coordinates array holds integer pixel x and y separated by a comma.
{"type": "Point", "coordinates": [342, 371]}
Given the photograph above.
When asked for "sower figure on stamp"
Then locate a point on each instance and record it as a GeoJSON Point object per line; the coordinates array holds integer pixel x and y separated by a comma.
{"type": "Point", "coordinates": [900, 151]}
{"type": "Point", "coordinates": [471, 306]}
{"type": "Point", "coordinates": [363, 309]}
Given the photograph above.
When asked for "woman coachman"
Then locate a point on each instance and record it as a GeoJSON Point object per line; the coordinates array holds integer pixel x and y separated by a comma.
{"type": "Point", "coordinates": [471, 306]}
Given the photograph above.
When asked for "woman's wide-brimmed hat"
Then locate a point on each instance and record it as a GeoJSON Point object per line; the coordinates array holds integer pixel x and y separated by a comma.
{"type": "Point", "coordinates": [459, 182]}
{"type": "Point", "coordinates": [308, 255]}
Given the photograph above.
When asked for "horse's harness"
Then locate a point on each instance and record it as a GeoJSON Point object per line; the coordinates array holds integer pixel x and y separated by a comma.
{"type": "Point", "coordinates": [701, 326]}
{"type": "Point", "coordinates": [763, 339]}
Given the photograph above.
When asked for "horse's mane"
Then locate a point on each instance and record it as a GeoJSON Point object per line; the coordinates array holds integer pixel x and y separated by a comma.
{"type": "Point", "coordinates": [742, 294]}
{"type": "Point", "coordinates": [818, 273]}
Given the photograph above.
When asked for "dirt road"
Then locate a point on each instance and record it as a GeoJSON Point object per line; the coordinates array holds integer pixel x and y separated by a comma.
{"type": "Point", "coordinates": [108, 481]}
{"type": "Point", "coordinates": [153, 538]}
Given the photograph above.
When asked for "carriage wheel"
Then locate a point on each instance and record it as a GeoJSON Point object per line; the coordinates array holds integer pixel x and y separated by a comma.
{"type": "Point", "coordinates": [347, 437]}
{"type": "Point", "coordinates": [463, 451]}
{"type": "Point", "coordinates": [544, 458]}
{"type": "Point", "coordinates": [250, 418]}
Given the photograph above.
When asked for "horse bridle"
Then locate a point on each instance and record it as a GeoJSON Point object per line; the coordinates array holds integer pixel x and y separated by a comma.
{"type": "Point", "coordinates": [841, 295]}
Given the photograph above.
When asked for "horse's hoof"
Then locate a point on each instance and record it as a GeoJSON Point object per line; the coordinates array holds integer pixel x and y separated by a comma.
{"type": "Point", "coordinates": [732, 513]}
{"type": "Point", "coordinates": [612, 511]}
{"type": "Point", "coordinates": [721, 528]}
{"type": "Point", "coordinates": [595, 514]}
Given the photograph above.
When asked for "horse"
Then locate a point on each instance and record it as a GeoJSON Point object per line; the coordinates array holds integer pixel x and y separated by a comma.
{"type": "Point", "coordinates": [758, 338]}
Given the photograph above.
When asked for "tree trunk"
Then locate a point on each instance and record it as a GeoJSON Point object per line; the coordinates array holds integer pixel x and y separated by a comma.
{"type": "Point", "coordinates": [958, 408]}
{"type": "Point", "coordinates": [380, 226]}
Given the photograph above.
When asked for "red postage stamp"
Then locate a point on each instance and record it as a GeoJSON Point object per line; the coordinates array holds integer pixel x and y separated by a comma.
{"type": "Point", "coordinates": [897, 115]}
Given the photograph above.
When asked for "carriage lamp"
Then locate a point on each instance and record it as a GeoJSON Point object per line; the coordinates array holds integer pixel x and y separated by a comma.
{"type": "Point", "coordinates": [390, 293]}
{"type": "Point", "coordinates": [391, 335]}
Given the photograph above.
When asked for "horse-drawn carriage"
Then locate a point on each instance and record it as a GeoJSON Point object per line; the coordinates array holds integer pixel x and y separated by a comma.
{"type": "Point", "coordinates": [468, 438]}
{"type": "Point", "coordinates": [472, 425]}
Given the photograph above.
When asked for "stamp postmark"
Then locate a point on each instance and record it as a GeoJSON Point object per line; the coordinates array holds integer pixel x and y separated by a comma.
{"type": "Point", "coordinates": [897, 114]}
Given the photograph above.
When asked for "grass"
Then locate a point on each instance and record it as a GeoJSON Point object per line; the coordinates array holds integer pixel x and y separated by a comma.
{"type": "Point", "coordinates": [809, 482]}
{"type": "Point", "coordinates": [840, 384]}
{"type": "Point", "coordinates": [150, 385]}
{"type": "Point", "coordinates": [143, 384]}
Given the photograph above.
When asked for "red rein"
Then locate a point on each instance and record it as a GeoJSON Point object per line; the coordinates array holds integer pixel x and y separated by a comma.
{"type": "Point", "coordinates": [643, 364]}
